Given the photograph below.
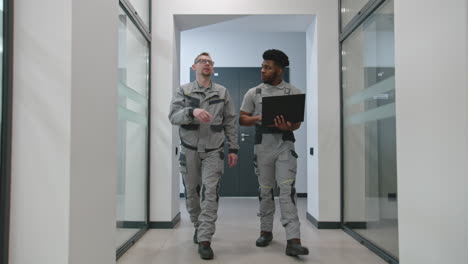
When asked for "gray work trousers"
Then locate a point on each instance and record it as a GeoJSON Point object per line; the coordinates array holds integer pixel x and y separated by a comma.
{"type": "Point", "coordinates": [276, 160]}
{"type": "Point", "coordinates": [201, 174]}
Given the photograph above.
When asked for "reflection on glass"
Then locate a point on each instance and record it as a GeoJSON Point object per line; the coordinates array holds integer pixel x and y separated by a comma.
{"type": "Point", "coordinates": [350, 8]}
{"type": "Point", "coordinates": [142, 7]}
{"type": "Point", "coordinates": [369, 142]}
{"type": "Point", "coordinates": [133, 130]}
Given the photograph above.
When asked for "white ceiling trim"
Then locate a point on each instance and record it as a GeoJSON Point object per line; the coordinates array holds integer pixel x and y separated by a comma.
{"type": "Point", "coordinates": [244, 23]}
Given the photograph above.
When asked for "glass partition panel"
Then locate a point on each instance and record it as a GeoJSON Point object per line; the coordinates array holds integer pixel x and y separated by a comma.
{"type": "Point", "coordinates": [369, 141]}
{"type": "Point", "coordinates": [350, 8]}
{"type": "Point", "coordinates": [133, 130]}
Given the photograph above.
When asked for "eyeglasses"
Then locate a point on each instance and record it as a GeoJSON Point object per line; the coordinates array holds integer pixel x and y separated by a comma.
{"type": "Point", "coordinates": [204, 61]}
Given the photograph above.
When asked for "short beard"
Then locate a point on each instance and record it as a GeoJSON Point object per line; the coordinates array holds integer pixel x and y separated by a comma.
{"type": "Point", "coordinates": [271, 79]}
{"type": "Point", "coordinates": [206, 74]}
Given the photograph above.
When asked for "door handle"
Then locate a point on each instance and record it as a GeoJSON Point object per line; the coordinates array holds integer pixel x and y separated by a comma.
{"type": "Point", "coordinates": [245, 135]}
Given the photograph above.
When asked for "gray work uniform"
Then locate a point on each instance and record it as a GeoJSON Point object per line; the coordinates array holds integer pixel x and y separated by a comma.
{"type": "Point", "coordinates": [274, 160]}
{"type": "Point", "coordinates": [202, 153]}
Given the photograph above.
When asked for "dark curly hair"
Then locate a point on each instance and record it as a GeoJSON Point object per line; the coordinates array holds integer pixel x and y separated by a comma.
{"type": "Point", "coordinates": [277, 56]}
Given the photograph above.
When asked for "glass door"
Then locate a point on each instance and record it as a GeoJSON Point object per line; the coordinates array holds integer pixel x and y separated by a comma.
{"type": "Point", "coordinates": [369, 172]}
{"type": "Point", "coordinates": [133, 127]}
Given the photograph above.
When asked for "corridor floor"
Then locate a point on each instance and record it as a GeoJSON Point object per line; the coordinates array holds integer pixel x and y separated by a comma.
{"type": "Point", "coordinates": [234, 241]}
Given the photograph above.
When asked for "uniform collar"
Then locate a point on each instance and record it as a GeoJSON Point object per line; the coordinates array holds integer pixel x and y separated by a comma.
{"type": "Point", "coordinates": [200, 88]}
{"type": "Point", "coordinates": [281, 85]}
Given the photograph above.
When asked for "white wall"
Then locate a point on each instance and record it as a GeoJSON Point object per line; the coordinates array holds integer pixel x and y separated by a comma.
{"type": "Point", "coordinates": [245, 49]}
{"type": "Point", "coordinates": [328, 149]}
{"type": "Point", "coordinates": [323, 110]}
{"type": "Point", "coordinates": [175, 130]}
{"type": "Point", "coordinates": [163, 170]}
{"type": "Point", "coordinates": [39, 190]}
{"type": "Point", "coordinates": [432, 130]}
{"type": "Point", "coordinates": [312, 120]}
{"type": "Point", "coordinates": [64, 132]}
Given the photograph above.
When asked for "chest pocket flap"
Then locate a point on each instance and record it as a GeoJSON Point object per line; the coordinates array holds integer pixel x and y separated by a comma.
{"type": "Point", "coordinates": [192, 101]}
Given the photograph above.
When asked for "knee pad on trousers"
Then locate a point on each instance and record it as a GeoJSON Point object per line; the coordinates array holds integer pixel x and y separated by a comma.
{"type": "Point", "coordinates": [210, 191]}
{"type": "Point", "coordinates": [265, 193]}
{"type": "Point", "coordinates": [288, 190]}
{"type": "Point", "coordinates": [189, 192]}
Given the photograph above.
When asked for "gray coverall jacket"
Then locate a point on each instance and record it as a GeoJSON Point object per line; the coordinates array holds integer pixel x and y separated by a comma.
{"type": "Point", "coordinates": [275, 160]}
{"type": "Point", "coordinates": [205, 136]}
{"type": "Point", "coordinates": [202, 154]}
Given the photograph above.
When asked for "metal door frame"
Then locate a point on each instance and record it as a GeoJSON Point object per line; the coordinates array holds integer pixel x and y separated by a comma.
{"type": "Point", "coordinates": [5, 157]}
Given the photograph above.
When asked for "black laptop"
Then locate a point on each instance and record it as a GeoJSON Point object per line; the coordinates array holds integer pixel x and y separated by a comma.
{"type": "Point", "coordinates": [289, 106]}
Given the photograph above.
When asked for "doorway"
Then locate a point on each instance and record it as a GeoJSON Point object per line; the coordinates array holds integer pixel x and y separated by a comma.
{"type": "Point", "coordinates": [239, 42]}
{"type": "Point", "coordinates": [241, 179]}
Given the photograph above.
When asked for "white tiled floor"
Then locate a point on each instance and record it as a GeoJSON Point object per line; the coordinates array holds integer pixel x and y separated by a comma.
{"type": "Point", "coordinates": [234, 241]}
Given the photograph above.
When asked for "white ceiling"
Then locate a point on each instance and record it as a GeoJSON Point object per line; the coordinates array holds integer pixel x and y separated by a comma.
{"type": "Point", "coordinates": [239, 23]}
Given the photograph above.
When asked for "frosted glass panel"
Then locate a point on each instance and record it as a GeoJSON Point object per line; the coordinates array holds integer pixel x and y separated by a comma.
{"type": "Point", "coordinates": [369, 133]}
{"type": "Point", "coordinates": [132, 130]}
{"type": "Point", "coordinates": [350, 8]}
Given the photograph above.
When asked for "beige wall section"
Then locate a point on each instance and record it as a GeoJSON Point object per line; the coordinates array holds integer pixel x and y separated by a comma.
{"type": "Point", "coordinates": [432, 130]}
{"type": "Point", "coordinates": [164, 172]}
{"type": "Point", "coordinates": [94, 122]}
{"type": "Point", "coordinates": [163, 70]}
{"type": "Point", "coordinates": [64, 132]}
{"type": "Point", "coordinates": [328, 131]}
{"type": "Point", "coordinates": [40, 169]}
{"type": "Point", "coordinates": [175, 187]}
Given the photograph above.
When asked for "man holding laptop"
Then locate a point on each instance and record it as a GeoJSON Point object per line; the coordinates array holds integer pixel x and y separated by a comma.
{"type": "Point", "coordinates": [274, 157]}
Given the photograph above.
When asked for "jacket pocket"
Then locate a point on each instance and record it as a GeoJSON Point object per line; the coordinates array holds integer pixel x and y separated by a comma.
{"type": "Point", "coordinates": [192, 101]}
{"type": "Point", "coordinates": [216, 128]}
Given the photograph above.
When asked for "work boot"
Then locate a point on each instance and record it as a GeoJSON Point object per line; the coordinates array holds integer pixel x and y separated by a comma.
{"type": "Point", "coordinates": [294, 248]}
{"type": "Point", "coordinates": [205, 250]}
{"type": "Point", "coordinates": [264, 239]}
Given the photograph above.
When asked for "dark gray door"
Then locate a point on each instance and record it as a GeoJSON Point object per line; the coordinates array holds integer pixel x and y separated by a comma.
{"type": "Point", "coordinates": [240, 180]}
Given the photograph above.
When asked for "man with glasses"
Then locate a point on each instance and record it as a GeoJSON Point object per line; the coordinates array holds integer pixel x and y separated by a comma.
{"type": "Point", "coordinates": [206, 116]}
{"type": "Point", "coordinates": [274, 155]}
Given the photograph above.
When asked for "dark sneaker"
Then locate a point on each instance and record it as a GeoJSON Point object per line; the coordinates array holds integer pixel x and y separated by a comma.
{"type": "Point", "coordinates": [205, 251]}
{"type": "Point", "coordinates": [264, 239]}
{"type": "Point", "coordinates": [195, 238]}
{"type": "Point", "coordinates": [294, 248]}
